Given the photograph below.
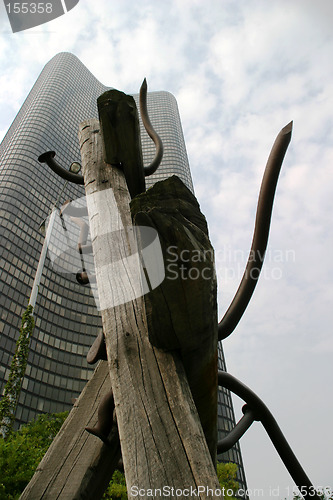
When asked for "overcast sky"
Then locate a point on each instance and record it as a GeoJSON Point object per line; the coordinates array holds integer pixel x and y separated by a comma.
{"type": "Point", "coordinates": [240, 72]}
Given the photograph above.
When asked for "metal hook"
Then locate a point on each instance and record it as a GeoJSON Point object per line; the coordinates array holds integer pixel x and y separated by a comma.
{"type": "Point", "coordinates": [150, 131]}
{"type": "Point", "coordinates": [48, 158]}
{"type": "Point", "coordinates": [257, 410]}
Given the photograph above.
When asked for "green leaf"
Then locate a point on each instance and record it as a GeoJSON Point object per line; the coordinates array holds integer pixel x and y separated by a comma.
{"type": "Point", "coordinates": [22, 451]}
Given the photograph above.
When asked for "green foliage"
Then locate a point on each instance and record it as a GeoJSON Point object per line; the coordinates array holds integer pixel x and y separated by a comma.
{"type": "Point", "coordinates": [226, 474]}
{"type": "Point", "coordinates": [22, 451]}
{"type": "Point", "coordinates": [117, 487]}
{"type": "Point", "coordinates": [17, 370]}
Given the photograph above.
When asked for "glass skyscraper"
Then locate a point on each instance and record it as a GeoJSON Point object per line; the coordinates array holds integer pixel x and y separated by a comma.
{"type": "Point", "coordinates": [67, 320]}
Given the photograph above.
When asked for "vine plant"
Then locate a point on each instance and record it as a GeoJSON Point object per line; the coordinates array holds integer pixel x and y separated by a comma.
{"type": "Point", "coordinates": [13, 386]}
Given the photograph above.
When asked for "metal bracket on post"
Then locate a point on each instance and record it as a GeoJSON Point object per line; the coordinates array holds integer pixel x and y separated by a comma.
{"type": "Point", "coordinates": [257, 410]}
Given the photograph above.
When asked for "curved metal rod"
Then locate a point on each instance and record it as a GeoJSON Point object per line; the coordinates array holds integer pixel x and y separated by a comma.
{"type": "Point", "coordinates": [150, 131]}
{"type": "Point", "coordinates": [260, 237]}
{"type": "Point", "coordinates": [48, 158]}
{"type": "Point", "coordinates": [105, 418]}
{"type": "Point", "coordinates": [238, 431]}
{"type": "Point", "coordinates": [280, 443]}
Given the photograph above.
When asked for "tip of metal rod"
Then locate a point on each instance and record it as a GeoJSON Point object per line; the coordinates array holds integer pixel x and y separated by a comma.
{"type": "Point", "coordinates": [288, 128]}
{"type": "Point", "coordinates": [144, 85]}
{"type": "Point", "coordinates": [45, 156]}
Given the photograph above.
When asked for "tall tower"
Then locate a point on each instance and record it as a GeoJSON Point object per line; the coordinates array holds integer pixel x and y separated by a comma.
{"type": "Point", "coordinates": [67, 320]}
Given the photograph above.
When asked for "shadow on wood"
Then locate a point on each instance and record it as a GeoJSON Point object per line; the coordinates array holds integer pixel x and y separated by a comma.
{"type": "Point", "coordinates": [182, 311]}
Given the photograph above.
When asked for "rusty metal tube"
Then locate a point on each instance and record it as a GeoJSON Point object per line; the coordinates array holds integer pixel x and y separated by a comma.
{"type": "Point", "coordinates": [48, 158]}
{"type": "Point", "coordinates": [238, 431]}
{"type": "Point", "coordinates": [150, 131]}
{"type": "Point", "coordinates": [262, 414]}
{"type": "Point", "coordinates": [260, 237]}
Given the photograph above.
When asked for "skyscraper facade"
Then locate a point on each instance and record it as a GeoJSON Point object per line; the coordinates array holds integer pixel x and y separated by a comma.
{"type": "Point", "coordinates": [67, 320]}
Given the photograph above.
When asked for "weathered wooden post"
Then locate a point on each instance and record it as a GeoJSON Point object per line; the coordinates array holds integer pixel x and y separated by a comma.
{"type": "Point", "coordinates": [162, 441]}
{"type": "Point", "coordinates": [163, 445]}
{"type": "Point", "coordinates": [77, 465]}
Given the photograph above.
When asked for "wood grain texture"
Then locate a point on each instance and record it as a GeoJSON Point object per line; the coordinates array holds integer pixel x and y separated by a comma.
{"type": "Point", "coordinates": [75, 458]}
{"type": "Point", "coordinates": [161, 437]}
{"type": "Point", "coordinates": [119, 118]}
{"type": "Point", "coordinates": [182, 310]}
